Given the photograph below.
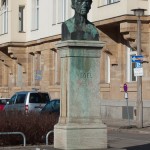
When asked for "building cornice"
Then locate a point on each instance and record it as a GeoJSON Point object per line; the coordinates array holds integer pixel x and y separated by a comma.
{"type": "Point", "coordinates": [119, 19]}
{"type": "Point", "coordinates": [100, 23]}
{"type": "Point", "coordinates": [31, 43]}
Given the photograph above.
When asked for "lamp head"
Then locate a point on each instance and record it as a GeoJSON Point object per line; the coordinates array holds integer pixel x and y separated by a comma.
{"type": "Point", "coordinates": [138, 12]}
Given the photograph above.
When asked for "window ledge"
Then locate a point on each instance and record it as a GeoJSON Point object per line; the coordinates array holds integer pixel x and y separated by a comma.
{"type": "Point", "coordinates": [22, 32]}
{"type": "Point", "coordinates": [105, 87]}
{"type": "Point", "coordinates": [3, 34]}
{"type": "Point", "coordinates": [34, 30]}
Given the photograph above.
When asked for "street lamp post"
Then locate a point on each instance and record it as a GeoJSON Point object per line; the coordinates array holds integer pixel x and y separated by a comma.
{"type": "Point", "coordinates": [139, 104]}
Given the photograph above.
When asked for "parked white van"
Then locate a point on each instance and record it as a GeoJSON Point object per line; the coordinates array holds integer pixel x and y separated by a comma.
{"type": "Point", "coordinates": [27, 101]}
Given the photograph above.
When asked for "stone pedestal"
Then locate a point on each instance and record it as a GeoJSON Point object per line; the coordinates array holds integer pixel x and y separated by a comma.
{"type": "Point", "coordinates": [80, 125]}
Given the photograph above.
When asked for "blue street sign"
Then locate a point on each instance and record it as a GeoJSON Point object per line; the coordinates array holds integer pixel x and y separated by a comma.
{"type": "Point", "coordinates": [138, 58]}
{"type": "Point", "coordinates": [138, 65]}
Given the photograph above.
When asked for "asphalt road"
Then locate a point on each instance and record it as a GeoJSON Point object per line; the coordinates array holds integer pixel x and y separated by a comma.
{"type": "Point", "coordinates": [128, 141]}
{"type": "Point", "coordinates": [116, 141]}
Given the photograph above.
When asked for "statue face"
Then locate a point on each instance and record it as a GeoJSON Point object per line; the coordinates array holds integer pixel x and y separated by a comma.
{"type": "Point", "coordinates": [82, 6]}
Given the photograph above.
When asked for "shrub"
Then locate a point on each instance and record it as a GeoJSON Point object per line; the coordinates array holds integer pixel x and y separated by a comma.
{"type": "Point", "coordinates": [35, 127]}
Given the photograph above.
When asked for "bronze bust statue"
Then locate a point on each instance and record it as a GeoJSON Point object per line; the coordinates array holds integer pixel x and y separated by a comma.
{"type": "Point", "coordinates": [78, 27]}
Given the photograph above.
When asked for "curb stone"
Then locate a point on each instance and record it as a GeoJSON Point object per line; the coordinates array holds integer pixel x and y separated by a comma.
{"type": "Point", "coordinates": [36, 147]}
{"type": "Point", "coordinates": [129, 130]}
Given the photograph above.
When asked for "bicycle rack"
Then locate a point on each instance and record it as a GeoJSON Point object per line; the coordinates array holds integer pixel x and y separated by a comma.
{"type": "Point", "coordinates": [47, 135]}
{"type": "Point", "coordinates": [13, 133]}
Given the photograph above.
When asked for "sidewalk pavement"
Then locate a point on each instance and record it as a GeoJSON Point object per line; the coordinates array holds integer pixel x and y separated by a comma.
{"type": "Point", "coordinates": [124, 126]}
{"type": "Point", "coordinates": [36, 147]}
{"type": "Point", "coordinates": [43, 148]}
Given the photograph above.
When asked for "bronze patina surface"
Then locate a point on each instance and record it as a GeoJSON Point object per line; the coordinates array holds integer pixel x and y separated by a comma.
{"type": "Point", "coordinates": [78, 27]}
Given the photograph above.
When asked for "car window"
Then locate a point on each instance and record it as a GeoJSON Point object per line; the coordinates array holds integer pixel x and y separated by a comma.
{"type": "Point", "coordinates": [47, 106]}
{"type": "Point", "coordinates": [55, 105]}
{"type": "Point", "coordinates": [39, 98]}
{"type": "Point", "coordinates": [3, 101]}
{"type": "Point", "coordinates": [44, 97]}
{"type": "Point", "coordinates": [52, 106]}
{"type": "Point", "coordinates": [20, 98]}
{"type": "Point", "coordinates": [12, 100]}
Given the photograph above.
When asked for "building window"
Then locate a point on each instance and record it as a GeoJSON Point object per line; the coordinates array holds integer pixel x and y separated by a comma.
{"type": "Point", "coordinates": [37, 69]}
{"type": "Point", "coordinates": [107, 69]}
{"type": "Point", "coordinates": [21, 18]}
{"type": "Point", "coordinates": [57, 67]}
{"type": "Point", "coordinates": [5, 75]}
{"type": "Point", "coordinates": [31, 69]}
{"type": "Point", "coordinates": [59, 11]}
{"type": "Point", "coordinates": [64, 10]}
{"type": "Point", "coordinates": [4, 16]}
{"type": "Point", "coordinates": [54, 12]}
{"type": "Point", "coordinates": [112, 1]}
{"type": "Point", "coordinates": [35, 14]}
{"type": "Point", "coordinates": [130, 65]}
{"type": "Point", "coordinates": [106, 2]}
{"type": "Point", "coordinates": [19, 75]}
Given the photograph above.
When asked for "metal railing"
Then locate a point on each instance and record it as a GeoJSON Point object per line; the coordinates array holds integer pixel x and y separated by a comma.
{"type": "Point", "coordinates": [47, 135]}
{"type": "Point", "coordinates": [15, 133]}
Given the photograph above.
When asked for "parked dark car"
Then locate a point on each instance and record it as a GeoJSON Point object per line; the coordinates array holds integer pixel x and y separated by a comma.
{"type": "Point", "coordinates": [3, 102]}
{"type": "Point", "coordinates": [52, 106]}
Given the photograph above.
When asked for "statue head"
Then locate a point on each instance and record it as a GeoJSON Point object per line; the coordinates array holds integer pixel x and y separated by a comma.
{"type": "Point", "coordinates": [81, 6]}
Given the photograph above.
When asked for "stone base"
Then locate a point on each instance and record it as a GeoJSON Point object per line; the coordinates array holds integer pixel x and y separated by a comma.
{"type": "Point", "coordinates": [79, 136]}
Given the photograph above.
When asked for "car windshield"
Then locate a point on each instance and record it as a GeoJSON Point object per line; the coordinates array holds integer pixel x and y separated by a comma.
{"type": "Point", "coordinates": [39, 98]}
{"type": "Point", "coordinates": [3, 101]}
{"type": "Point", "coordinates": [52, 106]}
{"type": "Point", "coordinates": [20, 98]}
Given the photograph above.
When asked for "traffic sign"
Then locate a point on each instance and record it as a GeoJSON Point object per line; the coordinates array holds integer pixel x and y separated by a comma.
{"type": "Point", "coordinates": [138, 65]}
{"type": "Point", "coordinates": [125, 87]}
{"type": "Point", "coordinates": [38, 75]}
{"type": "Point", "coordinates": [138, 58]}
{"type": "Point", "coordinates": [138, 71]}
{"type": "Point", "coordinates": [126, 95]}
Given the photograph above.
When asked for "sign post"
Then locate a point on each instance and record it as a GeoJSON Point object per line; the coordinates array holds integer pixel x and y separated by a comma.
{"type": "Point", "coordinates": [138, 72]}
{"type": "Point", "coordinates": [126, 97]}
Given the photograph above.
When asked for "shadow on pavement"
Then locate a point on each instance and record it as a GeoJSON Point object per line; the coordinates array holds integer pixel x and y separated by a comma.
{"type": "Point", "coordinates": [139, 147]}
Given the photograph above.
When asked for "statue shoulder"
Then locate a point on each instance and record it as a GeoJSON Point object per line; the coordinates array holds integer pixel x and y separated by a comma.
{"type": "Point", "coordinates": [69, 24]}
{"type": "Point", "coordinates": [71, 20]}
{"type": "Point", "coordinates": [92, 27]}
{"type": "Point", "coordinates": [67, 29]}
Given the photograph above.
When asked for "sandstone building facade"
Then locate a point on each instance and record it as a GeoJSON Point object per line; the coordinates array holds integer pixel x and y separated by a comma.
{"type": "Point", "coordinates": [29, 30]}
